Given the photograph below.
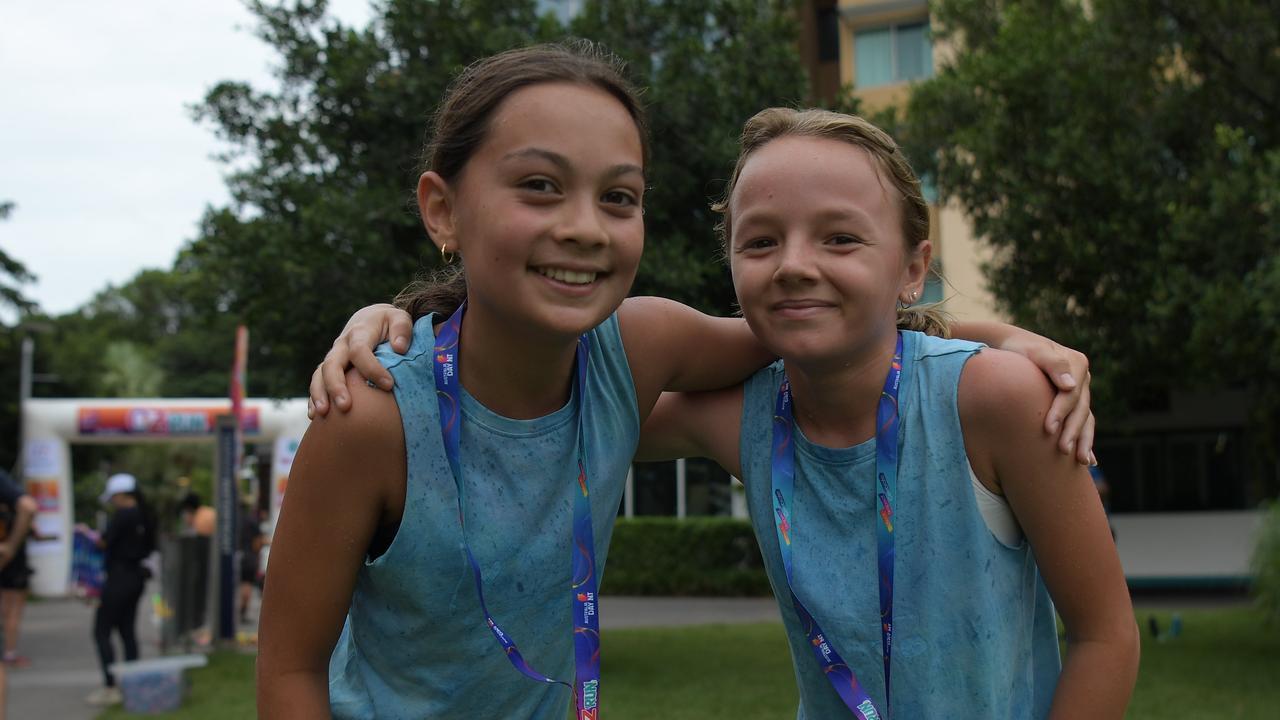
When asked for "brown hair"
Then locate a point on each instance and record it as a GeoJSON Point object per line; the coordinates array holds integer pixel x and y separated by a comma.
{"type": "Point", "coordinates": [461, 124]}
{"type": "Point", "coordinates": [773, 123]}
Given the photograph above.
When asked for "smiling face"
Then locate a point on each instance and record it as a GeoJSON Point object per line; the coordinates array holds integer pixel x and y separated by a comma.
{"type": "Point", "coordinates": [817, 251]}
{"type": "Point", "coordinates": [547, 213]}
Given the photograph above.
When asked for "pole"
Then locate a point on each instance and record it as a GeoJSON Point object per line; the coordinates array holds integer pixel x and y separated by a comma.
{"type": "Point", "coordinates": [226, 452]}
{"type": "Point", "coordinates": [682, 489]}
{"type": "Point", "coordinates": [24, 394]}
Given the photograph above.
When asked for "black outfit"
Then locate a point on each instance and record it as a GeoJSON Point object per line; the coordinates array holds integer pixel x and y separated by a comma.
{"type": "Point", "coordinates": [250, 531]}
{"type": "Point", "coordinates": [17, 574]}
{"type": "Point", "coordinates": [128, 542]}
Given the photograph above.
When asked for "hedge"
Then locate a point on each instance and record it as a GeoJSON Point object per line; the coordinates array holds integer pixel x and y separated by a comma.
{"type": "Point", "coordinates": [712, 556]}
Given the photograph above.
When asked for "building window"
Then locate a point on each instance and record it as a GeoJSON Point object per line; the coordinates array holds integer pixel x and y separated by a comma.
{"type": "Point", "coordinates": [828, 34]}
{"type": "Point", "coordinates": [892, 54]}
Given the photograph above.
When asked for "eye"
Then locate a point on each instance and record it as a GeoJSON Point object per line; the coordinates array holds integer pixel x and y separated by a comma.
{"type": "Point", "coordinates": [843, 239]}
{"type": "Point", "coordinates": [757, 243]}
{"type": "Point", "coordinates": [538, 185]}
{"type": "Point", "coordinates": [620, 198]}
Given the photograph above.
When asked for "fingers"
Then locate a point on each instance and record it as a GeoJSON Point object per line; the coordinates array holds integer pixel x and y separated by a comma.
{"type": "Point", "coordinates": [365, 363]}
{"type": "Point", "coordinates": [1072, 440]}
{"type": "Point", "coordinates": [1084, 448]}
{"type": "Point", "coordinates": [317, 398]}
{"type": "Point", "coordinates": [1065, 368]}
{"type": "Point", "coordinates": [400, 329]}
{"type": "Point", "coordinates": [333, 376]}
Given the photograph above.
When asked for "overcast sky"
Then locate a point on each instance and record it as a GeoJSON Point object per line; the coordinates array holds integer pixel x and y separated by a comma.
{"type": "Point", "coordinates": [98, 150]}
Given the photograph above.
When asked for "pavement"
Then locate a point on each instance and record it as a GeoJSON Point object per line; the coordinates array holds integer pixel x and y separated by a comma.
{"type": "Point", "coordinates": [56, 636]}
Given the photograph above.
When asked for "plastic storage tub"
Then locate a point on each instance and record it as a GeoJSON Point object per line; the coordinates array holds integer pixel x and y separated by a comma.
{"type": "Point", "coordinates": [157, 684]}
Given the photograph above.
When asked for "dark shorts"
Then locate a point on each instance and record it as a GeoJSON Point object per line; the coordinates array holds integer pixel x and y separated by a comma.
{"type": "Point", "coordinates": [17, 574]}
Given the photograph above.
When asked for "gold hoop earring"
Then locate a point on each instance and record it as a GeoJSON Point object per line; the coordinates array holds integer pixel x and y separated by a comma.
{"type": "Point", "coordinates": [446, 256]}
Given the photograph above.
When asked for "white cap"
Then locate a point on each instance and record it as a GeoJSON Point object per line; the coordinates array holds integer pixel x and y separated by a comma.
{"type": "Point", "coordinates": [119, 483]}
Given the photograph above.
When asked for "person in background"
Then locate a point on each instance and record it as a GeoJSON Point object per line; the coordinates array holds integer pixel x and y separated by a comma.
{"type": "Point", "coordinates": [17, 509]}
{"type": "Point", "coordinates": [197, 518]}
{"type": "Point", "coordinates": [15, 577]}
{"type": "Point", "coordinates": [128, 540]}
{"type": "Point", "coordinates": [251, 542]}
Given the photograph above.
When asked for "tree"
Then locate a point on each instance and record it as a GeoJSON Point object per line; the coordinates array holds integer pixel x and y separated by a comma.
{"type": "Point", "coordinates": [15, 271]}
{"type": "Point", "coordinates": [12, 275]}
{"type": "Point", "coordinates": [1122, 157]}
{"type": "Point", "coordinates": [322, 220]}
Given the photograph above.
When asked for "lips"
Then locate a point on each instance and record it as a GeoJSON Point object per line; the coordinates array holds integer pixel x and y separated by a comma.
{"type": "Point", "coordinates": [802, 304]}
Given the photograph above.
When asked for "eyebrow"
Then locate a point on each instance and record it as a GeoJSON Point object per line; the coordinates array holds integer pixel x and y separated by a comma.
{"type": "Point", "coordinates": [561, 162]}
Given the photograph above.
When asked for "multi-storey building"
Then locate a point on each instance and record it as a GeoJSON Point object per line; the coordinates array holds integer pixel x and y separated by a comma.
{"type": "Point", "coordinates": [1183, 478]}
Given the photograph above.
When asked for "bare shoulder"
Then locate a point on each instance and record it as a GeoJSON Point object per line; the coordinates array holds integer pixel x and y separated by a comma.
{"type": "Point", "coordinates": [642, 321]}
{"type": "Point", "coordinates": [365, 442]}
{"type": "Point", "coordinates": [1002, 401]}
{"type": "Point", "coordinates": [999, 388]}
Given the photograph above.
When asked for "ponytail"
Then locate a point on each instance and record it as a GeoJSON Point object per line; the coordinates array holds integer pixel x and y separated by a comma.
{"type": "Point", "coordinates": [441, 293]}
{"type": "Point", "coordinates": [929, 319]}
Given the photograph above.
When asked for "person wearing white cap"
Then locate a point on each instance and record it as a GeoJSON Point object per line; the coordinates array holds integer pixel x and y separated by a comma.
{"type": "Point", "coordinates": [128, 540]}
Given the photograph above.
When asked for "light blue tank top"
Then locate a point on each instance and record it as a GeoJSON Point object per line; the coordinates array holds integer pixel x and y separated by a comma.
{"type": "Point", "coordinates": [415, 643]}
{"type": "Point", "coordinates": [974, 627]}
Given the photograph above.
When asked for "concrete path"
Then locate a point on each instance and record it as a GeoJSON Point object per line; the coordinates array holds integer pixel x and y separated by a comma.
{"type": "Point", "coordinates": [57, 636]}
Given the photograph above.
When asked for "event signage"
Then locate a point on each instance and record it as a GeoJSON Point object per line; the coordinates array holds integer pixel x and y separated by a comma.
{"type": "Point", "coordinates": [159, 421]}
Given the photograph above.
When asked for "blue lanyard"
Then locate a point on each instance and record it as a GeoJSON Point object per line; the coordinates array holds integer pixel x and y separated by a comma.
{"type": "Point", "coordinates": [586, 619]}
{"type": "Point", "coordinates": [833, 666]}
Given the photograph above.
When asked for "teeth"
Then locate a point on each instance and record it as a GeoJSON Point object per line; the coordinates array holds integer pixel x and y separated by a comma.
{"type": "Point", "coordinates": [568, 276]}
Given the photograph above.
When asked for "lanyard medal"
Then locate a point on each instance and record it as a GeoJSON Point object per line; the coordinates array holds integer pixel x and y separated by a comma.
{"type": "Point", "coordinates": [842, 677]}
{"type": "Point", "coordinates": [586, 619]}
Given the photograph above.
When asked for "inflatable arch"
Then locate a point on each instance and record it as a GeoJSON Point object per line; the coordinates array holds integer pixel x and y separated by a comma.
{"type": "Point", "coordinates": [51, 426]}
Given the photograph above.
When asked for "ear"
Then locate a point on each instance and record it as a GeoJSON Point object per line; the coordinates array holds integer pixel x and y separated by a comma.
{"type": "Point", "coordinates": [435, 204]}
{"type": "Point", "coordinates": [915, 273]}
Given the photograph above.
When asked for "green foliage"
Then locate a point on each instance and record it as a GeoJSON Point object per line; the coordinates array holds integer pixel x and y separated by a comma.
{"type": "Point", "coordinates": [1123, 159]}
{"type": "Point", "coordinates": [322, 219]}
{"type": "Point", "coordinates": [707, 67]}
{"type": "Point", "coordinates": [694, 556]}
{"type": "Point", "coordinates": [1266, 565]}
{"type": "Point", "coordinates": [15, 272]}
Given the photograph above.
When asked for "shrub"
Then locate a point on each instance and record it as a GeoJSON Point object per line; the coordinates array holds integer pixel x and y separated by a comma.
{"type": "Point", "coordinates": [712, 556]}
{"type": "Point", "coordinates": [1266, 564]}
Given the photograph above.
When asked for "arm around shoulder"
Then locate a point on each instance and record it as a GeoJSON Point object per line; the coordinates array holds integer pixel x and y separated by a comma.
{"type": "Point", "coordinates": [671, 346]}
{"type": "Point", "coordinates": [1003, 400]}
{"type": "Point", "coordinates": [347, 482]}
{"type": "Point", "coordinates": [703, 424]}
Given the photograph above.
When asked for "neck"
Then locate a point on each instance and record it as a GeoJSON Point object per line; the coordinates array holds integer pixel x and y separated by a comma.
{"type": "Point", "coordinates": [835, 404]}
{"type": "Point", "coordinates": [511, 371]}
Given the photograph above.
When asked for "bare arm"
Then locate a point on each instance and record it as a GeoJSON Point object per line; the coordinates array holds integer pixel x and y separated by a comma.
{"type": "Point", "coordinates": [346, 483]}
{"type": "Point", "coordinates": [1002, 400]}
{"type": "Point", "coordinates": [705, 424]}
{"type": "Point", "coordinates": [1070, 417]}
{"type": "Point", "coordinates": [671, 346]}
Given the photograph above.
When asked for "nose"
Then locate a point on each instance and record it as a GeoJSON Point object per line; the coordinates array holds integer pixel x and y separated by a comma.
{"type": "Point", "coordinates": [796, 262]}
{"type": "Point", "coordinates": [582, 223]}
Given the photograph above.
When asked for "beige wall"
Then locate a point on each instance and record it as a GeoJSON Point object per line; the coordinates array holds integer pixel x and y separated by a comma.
{"type": "Point", "coordinates": [961, 258]}
{"type": "Point", "coordinates": [954, 247]}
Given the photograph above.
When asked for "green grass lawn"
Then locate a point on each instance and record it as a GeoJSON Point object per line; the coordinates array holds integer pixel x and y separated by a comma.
{"type": "Point", "coordinates": [1223, 665]}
